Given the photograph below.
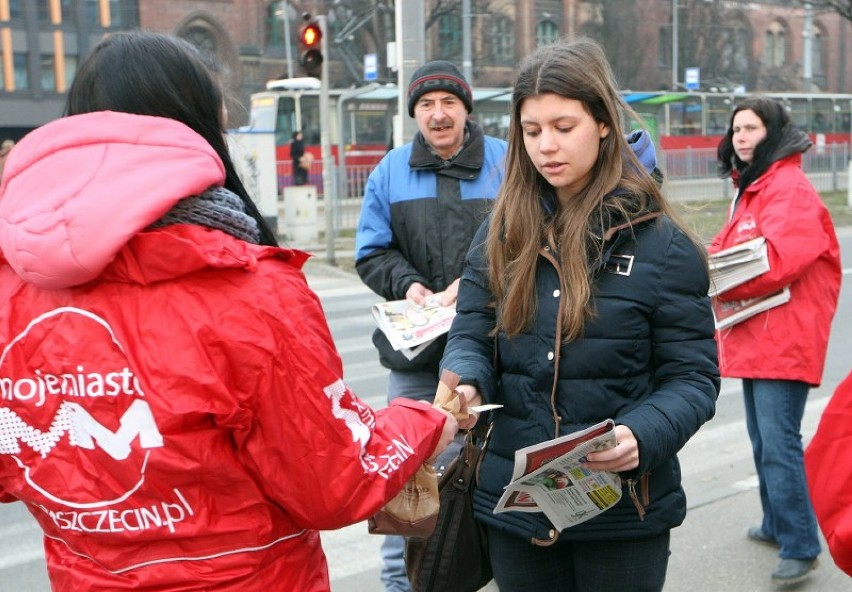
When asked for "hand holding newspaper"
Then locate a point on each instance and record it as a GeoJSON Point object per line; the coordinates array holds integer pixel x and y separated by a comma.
{"type": "Point", "coordinates": [550, 478]}
{"type": "Point", "coordinates": [409, 327]}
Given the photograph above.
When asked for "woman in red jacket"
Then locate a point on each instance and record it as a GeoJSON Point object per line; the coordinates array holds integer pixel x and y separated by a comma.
{"type": "Point", "coordinates": [172, 409]}
{"type": "Point", "coordinates": [780, 353]}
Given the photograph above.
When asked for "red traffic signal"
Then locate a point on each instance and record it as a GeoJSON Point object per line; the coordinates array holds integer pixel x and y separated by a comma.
{"type": "Point", "coordinates": [311, 35]}
{"type": "Point", "coordinates": [310, 38]}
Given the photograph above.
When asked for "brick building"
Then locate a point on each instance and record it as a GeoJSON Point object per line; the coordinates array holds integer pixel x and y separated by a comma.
{"type": "Point", "coordinates": [756, 45]}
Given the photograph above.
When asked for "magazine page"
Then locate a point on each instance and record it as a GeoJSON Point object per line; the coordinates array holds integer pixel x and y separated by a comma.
{"type": "Point", "coordinates": [735, 311]}
{"type": "Point", "coordinates": [549, 478]}
{"type": "Point", "coordinates": [734, 266]}
{"type": "Point", "coordinates": [409, 327]}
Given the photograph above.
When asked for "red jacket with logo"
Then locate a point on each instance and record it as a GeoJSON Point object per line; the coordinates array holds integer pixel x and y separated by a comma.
{"type": "Point", "coordinates": [788, 342]}
{"type": "Point", "coordinates": [172, 409]}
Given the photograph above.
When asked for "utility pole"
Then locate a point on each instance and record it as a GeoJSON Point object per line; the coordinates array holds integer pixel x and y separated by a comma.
{"type": "Point", "coordinates": [285, 10]}
{"type": "Point", "coordinates": [807, 34]}
{"type": "Point", "coordinates": [410, 55]}
{"type": "Point", "coordinates": [467, 58]}
{"type": "Point", "coordinates": [328, 184]}
{"type": "Point", "coordinates": [674, 45]}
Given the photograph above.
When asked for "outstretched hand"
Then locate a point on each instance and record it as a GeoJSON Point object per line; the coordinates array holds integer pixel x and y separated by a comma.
{"type": "Point", "coordinates": [471, 397]}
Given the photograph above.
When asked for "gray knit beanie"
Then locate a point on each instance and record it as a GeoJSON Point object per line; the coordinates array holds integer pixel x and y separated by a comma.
{"type": "Point", "coordinates": [438, 75]}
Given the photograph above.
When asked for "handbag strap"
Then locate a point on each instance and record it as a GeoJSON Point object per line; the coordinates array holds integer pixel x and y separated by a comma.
{"type": "Point", "coordinates": [479, 436]}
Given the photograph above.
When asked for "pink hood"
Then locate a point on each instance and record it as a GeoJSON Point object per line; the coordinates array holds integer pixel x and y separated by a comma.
{"type": "Point", "coordinates": [77, 189]}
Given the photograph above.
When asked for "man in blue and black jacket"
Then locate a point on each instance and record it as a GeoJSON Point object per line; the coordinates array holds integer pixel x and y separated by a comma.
{"type": "Point", "coordinates": [422, 206]}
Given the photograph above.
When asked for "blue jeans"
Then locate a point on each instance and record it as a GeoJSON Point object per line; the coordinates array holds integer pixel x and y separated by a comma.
{"type": "Point", "coordinates": [774, 410]}
{"type": "Point", "coordinates": [583, 566]}
{"type": "Point", "coordinates": [420, 386]}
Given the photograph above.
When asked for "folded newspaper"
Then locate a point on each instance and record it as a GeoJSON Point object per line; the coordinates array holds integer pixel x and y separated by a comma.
{"type": "Point", "coordinates": [409, 327]}
{"type": "Point", "coordinates": [731, 312]}
{"type": "Point", "coordinates": [550, 478]}
{"type": "Point", "coordinates": [738, 264]}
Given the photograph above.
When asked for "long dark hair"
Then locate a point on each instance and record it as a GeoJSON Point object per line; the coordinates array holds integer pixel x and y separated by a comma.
{"type": "Point", "coordinates": [148, 73]}
{"type": "Point", "coordinates": [776, 121]}
{"type": "Point", "coordinates": [577, 70]}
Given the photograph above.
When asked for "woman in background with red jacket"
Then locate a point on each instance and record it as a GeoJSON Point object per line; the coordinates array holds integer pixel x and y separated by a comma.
{"type": "Point", "coordinates": [780, 353]}
{"type": "Point", "coordinates": [172, 410]}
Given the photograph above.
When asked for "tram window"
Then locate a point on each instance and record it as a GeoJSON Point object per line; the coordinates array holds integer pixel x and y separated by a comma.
{"type": "Point", "coordinates": [718, 114]}
{"type": "Point", "coordinates": [495, 126]}
{"type": "Point", "coordinates": [262, 114]}
{"type": "Point", "coordinates": [799, 110]}
{"type": "Point", "coordinates": [686, 117]}
{"type": "Point", "coordinates": [823, 116]}
{"type": "Point", "coordinates": [310, 119]}
{"type": "Point", "coordinates": [371, 128]}
{"type": "Point", "coordinates": [286, 124]}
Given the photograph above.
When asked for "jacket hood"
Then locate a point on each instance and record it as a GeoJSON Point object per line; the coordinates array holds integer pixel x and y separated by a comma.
{"type": "Point", "coordinates": [642, 146]}
{"type": "Point", "coordinates": [76, 190]}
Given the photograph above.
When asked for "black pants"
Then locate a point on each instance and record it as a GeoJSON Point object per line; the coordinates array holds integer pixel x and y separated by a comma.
{"type": "Point", "coordinates": [300, 176]}
{"type": "Point", "coordinates": [597, 566]}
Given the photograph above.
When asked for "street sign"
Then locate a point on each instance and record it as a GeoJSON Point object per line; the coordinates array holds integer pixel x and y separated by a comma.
{"type": "Point", "coordinates": [691, 79]}
{"type": "Point", "coordinates": [371, 67]}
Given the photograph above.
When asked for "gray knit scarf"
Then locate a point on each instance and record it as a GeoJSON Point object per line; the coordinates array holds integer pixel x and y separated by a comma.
{"type": "Point", "coordinates": [216, 208]}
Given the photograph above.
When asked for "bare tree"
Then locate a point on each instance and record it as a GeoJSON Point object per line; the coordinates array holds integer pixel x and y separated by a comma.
{"type": "Point", "coordinates": [841, 7]}
{"type": "Point", "coordinates": [716, 37]}
{"type": "Point", "coordinates": [614, 24]}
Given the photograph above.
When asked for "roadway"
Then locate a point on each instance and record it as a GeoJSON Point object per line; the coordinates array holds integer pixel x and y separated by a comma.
{"type": "Point", "coordinates": [709, 552]}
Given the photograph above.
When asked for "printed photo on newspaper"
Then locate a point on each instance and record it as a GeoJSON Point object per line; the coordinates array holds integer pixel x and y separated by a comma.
{"type": "Point", "coordinates": [549, 478]}
{"type": "Point", "coordinates": [409, 327]}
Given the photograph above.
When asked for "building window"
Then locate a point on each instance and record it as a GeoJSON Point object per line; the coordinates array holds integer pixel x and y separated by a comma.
{"type": "Point", "coordinates": [775, 52]}
{"type": "Point", "coordinates": [546, 33]}
{"type": "Point", "coordinates": [114, 17]}
{"type": "Point", "coordinates": [816, 53]}
{"type": "Point", "coordinates": [43, 8]}
{"type": "Point", "coordinates": [16, 9]}
{"type": "Point", "coordinates": [70, 70]}
{"type": "Point", "coordinates": [47, 69]}
{"type": "Point", "coordinates": [664, 47]}
{"type": "Point", "coordinates": [202, 38]}
{"type": "Point", "coordinates": [449, 36]}
{"type": "Point", "coordinates": [503, 41]}
{"type": "Point", "coordinates": [22, 78]}
{"type": "Point", "coordinates": [275, 23]}
{"type": "Point", "coordinates": [735, 51]}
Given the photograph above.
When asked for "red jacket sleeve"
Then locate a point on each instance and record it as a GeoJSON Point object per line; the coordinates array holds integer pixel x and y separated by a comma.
{"type": "Point", "coordinates": [828, 463]}
{"type": "Point", "coordinates": [316, 449]}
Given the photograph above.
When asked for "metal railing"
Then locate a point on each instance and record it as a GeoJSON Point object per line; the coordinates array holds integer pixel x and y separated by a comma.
{"type": "Point", "coordinates": [690, 176]}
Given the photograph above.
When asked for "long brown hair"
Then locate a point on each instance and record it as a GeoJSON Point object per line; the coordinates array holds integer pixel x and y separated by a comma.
{"type": "Point", "coordinates": [521, 226]}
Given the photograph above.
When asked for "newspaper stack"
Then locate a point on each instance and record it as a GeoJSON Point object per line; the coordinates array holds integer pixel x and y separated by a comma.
{"type": "Point", "coordinates": [737, 265]}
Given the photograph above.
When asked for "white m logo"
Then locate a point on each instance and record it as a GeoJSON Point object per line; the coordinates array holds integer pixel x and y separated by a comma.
{"type": "Point", "coordinates": [83, 430]}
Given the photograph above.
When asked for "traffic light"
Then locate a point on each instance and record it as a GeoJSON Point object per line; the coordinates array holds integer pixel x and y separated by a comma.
{"type": "Point", "coordinates": [310, 39]}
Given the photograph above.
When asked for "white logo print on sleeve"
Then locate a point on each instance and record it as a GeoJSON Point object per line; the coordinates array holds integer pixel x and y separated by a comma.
{"type": "Point", "coordinates": [359, 419]}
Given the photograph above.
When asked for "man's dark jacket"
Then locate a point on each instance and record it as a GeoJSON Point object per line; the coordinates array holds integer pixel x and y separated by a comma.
{"type": "Point", "coordinates": [417, 220]}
